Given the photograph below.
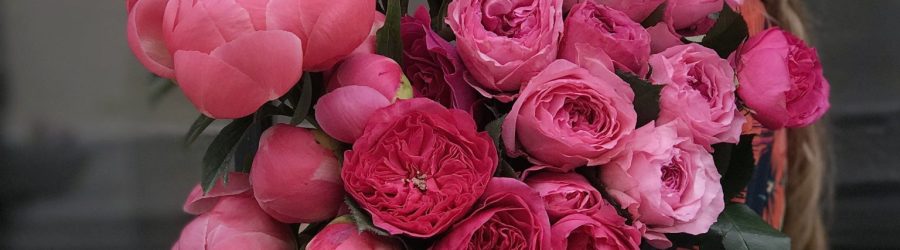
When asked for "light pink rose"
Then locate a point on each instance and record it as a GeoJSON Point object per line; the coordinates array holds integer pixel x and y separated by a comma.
{"type": "Point", "coordinates": [330, 29]}
{"type": "Point", "coordinates": [236, 222]}
{"type": "Point", "coordinates": [637, 10]}
{"type": "Point", "coordinates": [369, 45]}
{"type": "Point", "coordinates": [603, 230]}
{"type": "Point", "coordinates": [375, 71]}
{"type": "Point", "coordinates": [418, 167]}
{"type": "Point", "coordinates": [663, 36]}
{"type": "Point", "coordinates": [700, 92]}
{"type": "Point", "coordinates": [198, 203]}
{"type": "Point", "coordinates": [342, 233]}
{"type": "Point", "coordinates": [610, 32]}
{"type": "Point", "coordinates": [567, 117]}
{"type": "Point", "coordinates": [566, 194]}
{"type": "Point", "coordinates": [509, 215]}
{"type": "Point", "coordinates": [343, 113]}
{"type": "Point", "coordinates": [504, 43]}
{"type": "Point", "coordinates": [692, 17]}
{"type": "Point", "coordinates": [666, 182]}
{"type": "Point", "coordinates": [296, 179]}
{"type": "Point", "coordinates": [781, 80]}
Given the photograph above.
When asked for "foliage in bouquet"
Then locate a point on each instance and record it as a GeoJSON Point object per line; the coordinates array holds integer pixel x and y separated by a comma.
{"type": "Point", "coordinates": [478, 124]}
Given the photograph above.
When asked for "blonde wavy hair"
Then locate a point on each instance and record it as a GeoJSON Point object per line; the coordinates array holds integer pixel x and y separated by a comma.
{"type": "Point", "coordinates": [807, 154]}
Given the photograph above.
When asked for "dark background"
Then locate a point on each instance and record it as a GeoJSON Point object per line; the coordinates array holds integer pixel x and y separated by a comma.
{"type": "Point", "coordinates": [88, 161]}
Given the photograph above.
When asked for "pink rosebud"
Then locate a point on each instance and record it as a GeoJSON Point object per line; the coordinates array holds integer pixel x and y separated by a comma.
{"type": "Point", "coordinates": [330, 29]}
{"type": "Point", "coordinates": [781, 79]}
{"type": "Point", "coordinates": [504, 43]}
{"type": "Point", "coordinates": [603, 230]}
{"type": "Point", "coordinates": [341, 233]}
{"type": "Point", "coordinates": [296, 179]}
{"type": "Point", "coordinates": [692, 17]}
{"type": "Point", "coordinates": [369, 45]}
{"type": "Point", "coordinates": [378, 72]}
{"type": "Point", "coordinates": [236, 222]}
{"type": "Point", "coordinates": [343, 113]}
{"type": "Point", "coordinates": [612, 35]}
{"type": "Point", "coordinates": [566, 194]}
{"type": "Point", "coordinates": [198, 203]}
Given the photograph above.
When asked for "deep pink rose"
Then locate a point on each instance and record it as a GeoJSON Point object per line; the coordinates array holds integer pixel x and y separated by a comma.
{"type": "Point", "coordinates": [504, 43]}
{"type": "Point", "coordinates": [198, 203]}
{"type": "Point", "coordinates": [236, 222]}
{"type": "Point", "coordinates": [295, 178]}
{"type": "Point", "coordinates": [666, 182]}
{"type": "Point", "coordinates": [692, 17]}
{"type": "Point", "coordinates": [567, 117]}
{"type": "Point", "coordinates": [342, 233]}
{"type": "Point", "coordinates": [418, 167]}
{"type": "Point", "coordinates": [509, 215]}
{"type": "Point", "coordinates": [699, 91]}
{"type": "Point", "coordinates": [603, 230]}
{"type": "Point", "coordinates": [330, 29]}
{"type": "Point", "coordinates": [637, 10]}
{"type": "Point", "coordinates": [432, 64]}
{"type": "Point", "coordinates": [566, 194]}
{"type": "Point", "coordinates": [611, 32]}
{"type": "Point", "coordinates": [369, 45]}
{"type": "Point", "coordinates": [781, 80]}
{"type": "Point", "coordinates": [376, 71]}
{"type": "Point", "coordinates": [343, 113]}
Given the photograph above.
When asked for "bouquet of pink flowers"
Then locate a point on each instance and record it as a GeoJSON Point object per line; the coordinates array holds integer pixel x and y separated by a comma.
{"type": "Point", "coordinates": [478, 124]}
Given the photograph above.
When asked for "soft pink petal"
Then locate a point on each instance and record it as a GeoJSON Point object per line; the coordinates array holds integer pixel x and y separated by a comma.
{"type": "Point", "coordinates": [217, 89]}
{"type": "Point", "coordinates": [271, 58]}
{"type": "Point", "coordinates": [343, 113]}
{"type": "Point", "coordinates": [198, 203]}
{"type": "Point", "coordinates": [145, 36]}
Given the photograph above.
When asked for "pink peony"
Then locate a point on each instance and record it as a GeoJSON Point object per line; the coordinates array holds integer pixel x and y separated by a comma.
{"type": "Point", "coordinates": [666, 182]}
{"type": "Point", "coordinates": [343, 112]}
{"type": "Point", "coordinates": [369, 46]}
{"type": "Point", "coordinates": [418, 167]}
{"type": "Point", "coordinates": [567, 118]}
{"type": "Point", "coordinates": [781, 80]}
{"type": "Point", "coordinates": [566, 194]}
{"type": "Point", "coordinates": [637, 10]}
{"type": "Point", "coordinates": [433, 66]}
{"type": "Point", "coordinates": [700, 92]}
{"type": "Point", "coordinates": [342, 233]}
{"type": "Point", "coordinates": [505, 42]}
{"type": "Point", "coordinates": [295, 178]}
{"type": "Point", "coordinates": [236, 222]}
{"type": "Point", "coordinates": [610, 32]}
{"type": "Point", "coordinates": [198, 203]}
{"type": "Point", "coordinates": [509, 215]}
{"type": "Point", "coordinates": [692, 17]}
{"type": "Point", "coordinates": [603, 230]}
{"type": "Point", "coordinates": [378, 72]}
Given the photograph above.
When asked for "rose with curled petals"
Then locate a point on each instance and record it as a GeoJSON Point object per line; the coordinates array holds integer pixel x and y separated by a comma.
{"type": "Point", "coordinates": [566, 194]}
{"type": "Point", "coordinates": [418, 167]}
{"type": "Point", "coordinates": [611, 34]}
{"type": "Point", "coordinates": [604, 229]}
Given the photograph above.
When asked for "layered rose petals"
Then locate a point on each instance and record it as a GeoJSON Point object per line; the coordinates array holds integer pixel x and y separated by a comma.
{"type": "Point", "coordinates": [418, 167]}
{"type": "Point", "coordinates": [343, 113]}
{"type": "Point", "coordinates": [566, 194]}
{"type": "Point", "coordinates": [603, 230]}
{"type": "Point", "coordinates": [610, 34]}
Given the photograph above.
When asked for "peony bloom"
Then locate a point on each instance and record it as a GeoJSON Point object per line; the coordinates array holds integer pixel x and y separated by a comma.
{"type": "Point", "coordinates": [610, 33]}
{"type": "Point", "coordinates": [603, 230]}
{"type": "Point", "coordinates": [781, 80]}
{"type": "Point", "coordinates": [700, 92]}
{"type": "Point", "coordinates": [198, 203]}
{"type": "Point", "coordinates": [418, 167]}
{"type": "Point", "coordinates": [566, 194]}
{"type": "Point", "coordinates": [330, 29]}
{"type": "Point", "coordinates": [567, 118]}
{"type": "Point", "coordinates": [509, 215]}
{"type": "Point", "coordinates": [295, 178]}
{"type": "Point", "coordinates": [432, 64]}
{"type": "Point", "coordinates": [666, 182]}
{"type": "Point", "coordinates": [504, 43]}
{"type": "Point", "coordinates": [236, 222]}
{"type": "Point", "coordinates": [343, 112]}
{"type": "Point", "coordinates": [376, 71]}
{"type": "Point", "coordinates": [692, 17]}
{"type": "Point", "coordinates": [369, 46]}
{"type": "Point", "coordinates": [225, 72]}
{"type": "Point", "coordinates": [341, 233]}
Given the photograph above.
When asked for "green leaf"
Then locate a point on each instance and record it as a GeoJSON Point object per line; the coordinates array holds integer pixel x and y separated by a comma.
{"type": "Point", "coordinates": [220, 148]}
{"type": "Point", "coordinates": [304, 104]}
{"type": "Point", "coordinates": [646, 97]}
{"type": "Point", "coordinates": [727, 34]}
{"type": "Point", "coordinates": [722, 156]}
{"type": "Point", "coordinates": [438, 10]}
{"type": "Point", "coordinates": [388, 40]}
{"type": "Point", "coordinates": [362, 219]}
{"type": "Point", "coordinates": [739, 228]}
{"type": "Point", "coordinates": [504, 169]}
{"type": "Point", "coordinates": [200, 124]}
{"type": "Point", "coordinates": [740, 168]}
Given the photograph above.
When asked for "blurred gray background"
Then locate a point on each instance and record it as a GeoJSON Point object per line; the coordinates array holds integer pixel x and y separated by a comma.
{"type": "Point", "coordinates": [88, 162]}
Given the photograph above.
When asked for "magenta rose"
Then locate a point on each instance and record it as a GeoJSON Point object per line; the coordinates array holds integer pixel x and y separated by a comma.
{"type": "Point", "coordinates": [666, 182]}
{"type": "Point", "coordinates": [509, 215]}
{"type": "Point", "coordinates": [565, 194]}
{"type": "Point", "coordinates": [342, 233]}
{"type": "Point", "coordinates": [432, 64]}
{"type": "Point", "coordinates": [610, 32]}
{"type": "Point", "coordinates": [781, 80]}
{"type": "Point", "coordinates": [236, 222]}
{"type": "Point", "coordinates": [503, 43]}
{"type": "Point", "coordinates": [699, 91]}
{"type": "Point", "coordinates": [567, 117]}
{"type": "Point", "coordinates": [602, 230]}
{"type": "Point", "coordinates": [692, 17]}
{"type": "Point", "coordinates": [418, 167]}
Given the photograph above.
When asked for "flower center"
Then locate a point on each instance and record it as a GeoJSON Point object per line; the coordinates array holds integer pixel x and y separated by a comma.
{"type": "Point", "coordinates": [695, 80]}
{"type": "Point", "coordinates": [673, 176]}
{"type": "Point", "coordinates": [513, 23]}
{"type": "Point", "coordinates": [418, 181]}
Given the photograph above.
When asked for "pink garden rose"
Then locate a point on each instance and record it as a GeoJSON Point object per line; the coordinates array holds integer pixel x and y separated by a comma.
{"type": "Point", "coordinates": [236, 222]}
{"type": "Point", "coordinates": [611, 34]}
{"type": "Point", "coordinates": [666, 182]}
{"type": "Point", "coordinates": [376, 71]}
{"type": "Point", "coordinates": [637, 10]}
{"type": "Point", "coordinates": [692, 17]}
{"type": "Point", "coordinates": [603, 230]}
{"type": "Point", "coordinates": [663, 36]}
{"type": "Point", "coordinates": [295, 178]}
{"type": "Point", "coordinates": [342, 233]}
{"type": "Point", "coordinates": [699, 91]}
{"type": "Point", "coordinates": [566, 194]}
{"type": "Point", "coordinates": [781, 80]}
{"type": "Point", "coordinates": [504, 43]}
{"type": "Point", "coordinates": [509, 215]}
{"type": "Point", "coordinates": [343, 113]}
{"type": "Point", "coordinates": [418, 167]}
{"type": "Point", "coordinates": [432, 64]}
{"type": "Point", "coordinates": [567, 118]}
